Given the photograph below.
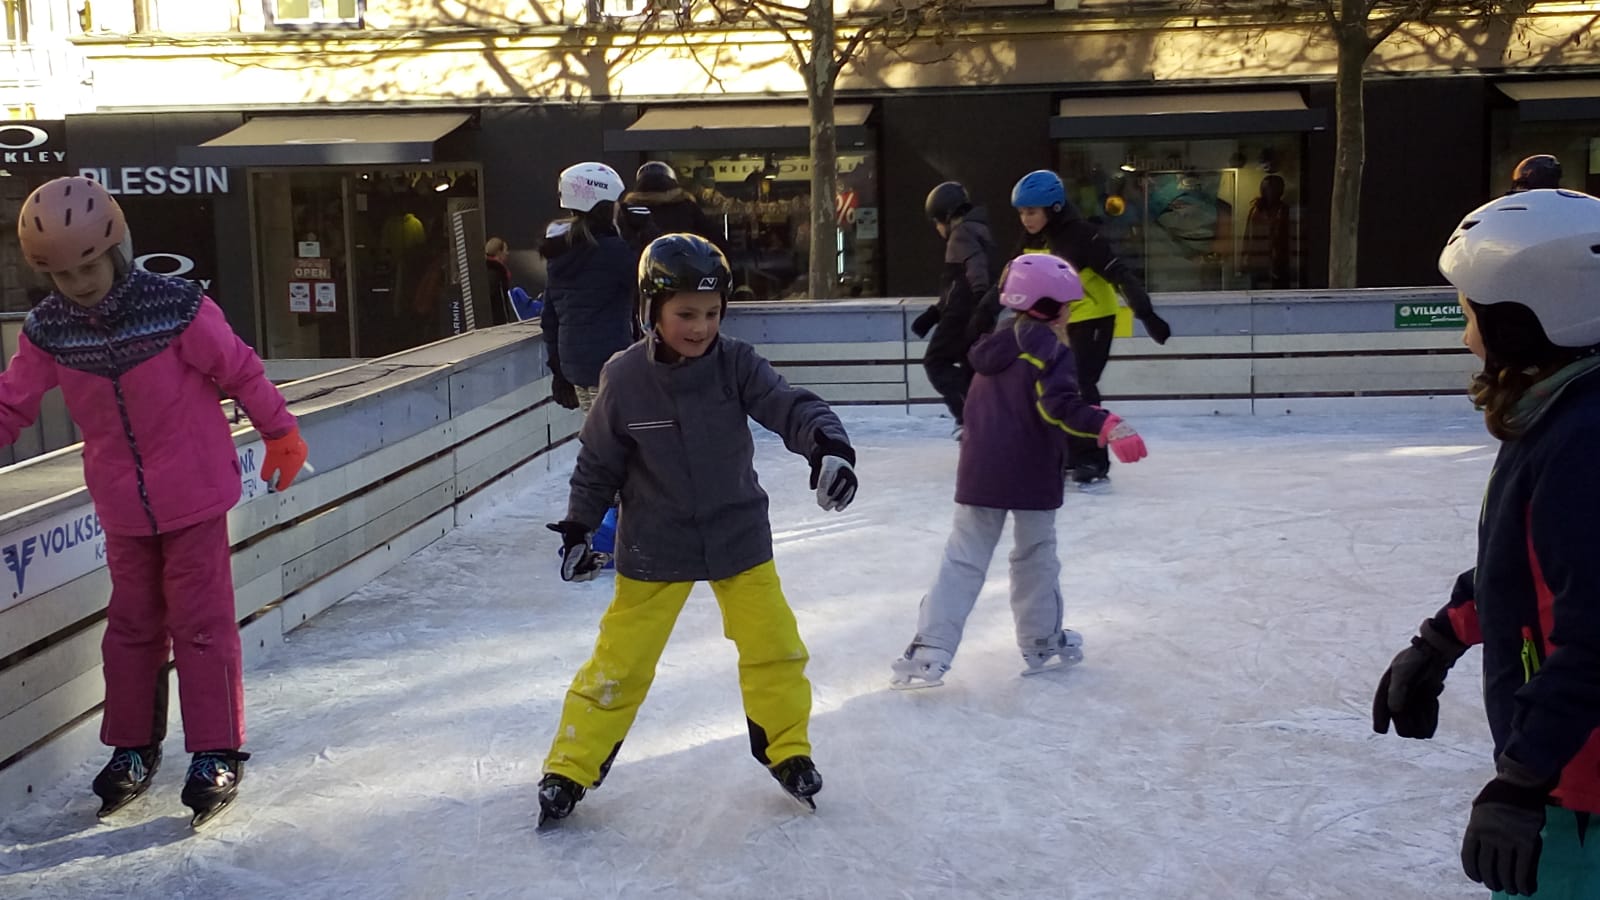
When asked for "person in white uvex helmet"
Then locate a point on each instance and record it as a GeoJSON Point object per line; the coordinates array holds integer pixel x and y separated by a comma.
{"type": "Point", "coordinates": [588, 308]}
{"type": "Point", "coordinates": [1528, 269]}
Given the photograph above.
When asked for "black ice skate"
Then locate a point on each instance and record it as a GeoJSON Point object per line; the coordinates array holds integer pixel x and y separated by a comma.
{"type": "Point", "coordinates": [213, 783]}
{"type": "Point", "coordinates": [558, 795]}
{"type": "Point", "coordinates": [1089, 479]}
{"type": "Point", "coordinates": [799, 776]}
{"type": "Point", "coordinates": [126, 776]}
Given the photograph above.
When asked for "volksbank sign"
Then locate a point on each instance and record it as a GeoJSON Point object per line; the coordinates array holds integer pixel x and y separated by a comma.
{"type": "Point", "coordinates": [71, 544]}
{"type": "Point", "coordinates": [154, 180]}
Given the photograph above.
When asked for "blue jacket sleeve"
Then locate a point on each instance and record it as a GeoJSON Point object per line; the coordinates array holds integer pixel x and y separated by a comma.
{"type": "Point", "coordinates": [1559, 707]}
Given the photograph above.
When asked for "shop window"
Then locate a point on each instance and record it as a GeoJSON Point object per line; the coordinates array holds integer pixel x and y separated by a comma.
{"type": "Point", "coordinates": [14, 14]}
{"type": "Point", "coordinates": [364, 263]}
{"type": "Point", "coordinates": [315, 13]}
{"type": "Point", "coordinates": [1196, 215]}
{"type": "Point", "coordinates": [760, 204]}
{"type": "Point", "coordinates": [1576, 142]}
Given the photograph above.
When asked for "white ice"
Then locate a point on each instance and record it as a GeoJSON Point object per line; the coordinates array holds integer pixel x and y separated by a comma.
{"type": "Point", "coordinates": [1239, 592]}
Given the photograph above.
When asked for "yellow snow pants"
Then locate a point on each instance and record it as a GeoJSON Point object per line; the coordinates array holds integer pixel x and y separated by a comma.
{"type": "Point", "coordinates": [606, 693]}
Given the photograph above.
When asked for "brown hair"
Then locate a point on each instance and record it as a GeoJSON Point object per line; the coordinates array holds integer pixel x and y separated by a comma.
{"type": "Point", "coordinates": [495, 247]}
{"type": "Point", "coordinates": [1517, 356]}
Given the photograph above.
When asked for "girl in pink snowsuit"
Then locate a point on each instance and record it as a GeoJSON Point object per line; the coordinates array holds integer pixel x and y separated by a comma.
{"type": "Point", "coordinates": [140, 359]}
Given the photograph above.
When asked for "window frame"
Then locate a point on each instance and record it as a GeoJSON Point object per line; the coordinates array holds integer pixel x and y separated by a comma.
{"type": "Point", "coordinates": [269, 12]}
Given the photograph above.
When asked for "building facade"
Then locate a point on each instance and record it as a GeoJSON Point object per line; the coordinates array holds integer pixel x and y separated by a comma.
{"type": "Point", "coordinates": [328, 169]}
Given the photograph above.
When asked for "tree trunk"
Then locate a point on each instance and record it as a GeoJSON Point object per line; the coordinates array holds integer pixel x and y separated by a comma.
{"type": "Point", "coordinates": [822, 273]}
{"type": "Point", "coordinates": [1350, 150]}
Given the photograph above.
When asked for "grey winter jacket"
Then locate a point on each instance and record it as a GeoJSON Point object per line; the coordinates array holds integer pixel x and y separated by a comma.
{"type": "Point", "coordinates": [675, 440]}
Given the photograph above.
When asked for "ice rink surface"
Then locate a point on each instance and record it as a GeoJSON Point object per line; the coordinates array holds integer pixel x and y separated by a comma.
{"type": "Point", "coordinates": [1239, 593]}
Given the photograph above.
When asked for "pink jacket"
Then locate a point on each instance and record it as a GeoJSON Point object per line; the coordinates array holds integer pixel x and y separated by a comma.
{"type": "Point", "coordinates": [140, 373]}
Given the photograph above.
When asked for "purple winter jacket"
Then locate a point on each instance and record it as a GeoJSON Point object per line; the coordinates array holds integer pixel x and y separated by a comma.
{"type": "Point", "coordinates": [1022, 405]}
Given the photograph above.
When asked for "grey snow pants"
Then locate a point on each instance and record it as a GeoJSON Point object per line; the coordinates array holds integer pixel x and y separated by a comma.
{"type": "Point", "coordinates": [1035, 576]}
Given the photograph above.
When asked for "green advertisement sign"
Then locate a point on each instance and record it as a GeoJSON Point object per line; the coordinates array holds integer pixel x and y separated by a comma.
{"type": "Point", "coordinates": [1429, 315]}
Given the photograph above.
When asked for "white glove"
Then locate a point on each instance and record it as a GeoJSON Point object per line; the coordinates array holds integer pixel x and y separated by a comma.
{"type": "Point", "coordinates": [835, 481]}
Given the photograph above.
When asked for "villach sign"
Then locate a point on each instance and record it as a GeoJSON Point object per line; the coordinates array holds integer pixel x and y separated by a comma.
{"type": "Point", "coordinates": [1429, 315]}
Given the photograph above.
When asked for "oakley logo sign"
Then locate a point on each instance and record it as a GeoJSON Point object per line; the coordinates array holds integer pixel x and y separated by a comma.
{"type": "Point", "coordinates": [173, 264]}
{"type": "Point", "coordinates": [18, 143]}
{"type": "Point", "coordinates": [708, 283]}
{"type": "Point", "coordinates": [21, 137]}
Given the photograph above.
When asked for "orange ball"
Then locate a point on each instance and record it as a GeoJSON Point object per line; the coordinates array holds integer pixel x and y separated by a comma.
{"type": "Point", "coordinates": [1116, 206]}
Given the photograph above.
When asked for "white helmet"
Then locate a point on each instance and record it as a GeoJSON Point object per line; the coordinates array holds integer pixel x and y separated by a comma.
{"type": "Point", "coordinates": [1537, 248]}
{"type": "Point", "coordinates": [586, 184]}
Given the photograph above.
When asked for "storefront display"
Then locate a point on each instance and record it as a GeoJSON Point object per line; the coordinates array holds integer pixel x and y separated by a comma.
{"type": "Point", "coordinates": [1576, 142]}
{"type": "Point", "coordinates": [1195, 215]}
{"type": "Point", "coordinates": [760, 202]}
{"type": "Point", "coordinates": [366, 262]}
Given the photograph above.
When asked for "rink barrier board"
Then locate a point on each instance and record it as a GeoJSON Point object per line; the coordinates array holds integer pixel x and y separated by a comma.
{"type": "Point", "coordinates": [404, 445]}
{"type": "Point", "coordinates": [399, 443]}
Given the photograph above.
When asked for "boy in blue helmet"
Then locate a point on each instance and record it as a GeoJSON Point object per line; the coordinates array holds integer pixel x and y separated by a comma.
{"type": "Point", "coordinates": [1052, 225]}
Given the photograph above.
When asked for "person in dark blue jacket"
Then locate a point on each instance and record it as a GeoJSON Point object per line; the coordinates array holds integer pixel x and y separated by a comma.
{"type": "Point", "coordinates": [589, 288]}
{"type": "Point", "coordinates": [1528, 269]}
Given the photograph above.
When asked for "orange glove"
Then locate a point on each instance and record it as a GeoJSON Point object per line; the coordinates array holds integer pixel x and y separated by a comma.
{"type": "Point", "coordinates": [285, 456]}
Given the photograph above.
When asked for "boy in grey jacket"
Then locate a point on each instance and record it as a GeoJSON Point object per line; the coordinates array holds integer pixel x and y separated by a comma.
{"type": "Point", "coordinates": [669, 431]}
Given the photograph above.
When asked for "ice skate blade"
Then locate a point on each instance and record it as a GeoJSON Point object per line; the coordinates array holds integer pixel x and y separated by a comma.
{"type": "Point", "coordinates": [1052, 666]}
{"type": "Point", "coordinates": [202, 816]}
{"type": "Point", "coordinates": [805, 803]}
{"type": "Point", "coordinates": [111, 809]}
{"type": "Point", "coordinates": [914, 684]}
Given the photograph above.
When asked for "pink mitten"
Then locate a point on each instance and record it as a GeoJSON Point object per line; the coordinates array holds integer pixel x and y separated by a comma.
{"type": "Point", "coordinates": [1122, 439]}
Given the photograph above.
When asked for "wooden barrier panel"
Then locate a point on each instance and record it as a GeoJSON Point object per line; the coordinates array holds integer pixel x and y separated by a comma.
{"type": "Point", "coordinates": [400, 444]}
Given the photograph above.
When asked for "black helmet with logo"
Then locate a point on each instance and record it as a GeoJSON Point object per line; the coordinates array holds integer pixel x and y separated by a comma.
{"type": "Point", "coordinates": [655, 176]}
{"type": "Point", "coordinates": [1536, 172]}
{"type": "Point", "coordinates": [947, 201]}
{"type": "Point", "coordinates": [675, 263]}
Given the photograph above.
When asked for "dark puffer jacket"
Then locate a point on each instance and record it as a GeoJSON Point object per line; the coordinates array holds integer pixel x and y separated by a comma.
{"type": "Point", "coordinates": [674, 211]}
{"type": "Point", "coordinates": [588, 301]}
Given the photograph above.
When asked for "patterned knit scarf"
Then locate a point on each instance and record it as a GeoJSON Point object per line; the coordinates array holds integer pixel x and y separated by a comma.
{"type": "Point", "coordinates": [1531, 407]}
{"type": "Point", "coordinates": [141, 315]}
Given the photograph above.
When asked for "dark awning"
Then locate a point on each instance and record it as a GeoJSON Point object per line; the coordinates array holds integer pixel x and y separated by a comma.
{"type": "Point", "coordinates": [1546, 101]}
{"type": "Point", "coordinates": [735, 126]}
{"type": "Point", "coordinates": [327, 140]}
{"type": "Point", "coordinates": [1172, 115]}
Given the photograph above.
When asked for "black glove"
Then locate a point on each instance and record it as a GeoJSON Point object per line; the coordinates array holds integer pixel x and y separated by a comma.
{"type": "Point", "coordinates": [1408, 693]}
{"type": "Point", "coordinates": [1502, 844]}
{"type": "Point", "coordinates": [833, 474]}
{"type": "Point", "coordinates": [1157, 327]}
{"type": "Point", "coordinates": [578, 562]}
{"type": "Point", "coordinates": [562, 391]}
{"type": "Point", "coordinates": [921, 325]}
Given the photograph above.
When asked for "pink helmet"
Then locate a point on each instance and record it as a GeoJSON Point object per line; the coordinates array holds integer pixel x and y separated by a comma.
{"type": "Point", "coordinates": [1040, 285]}
{"type": "Point", "coordinates": [68, 222]}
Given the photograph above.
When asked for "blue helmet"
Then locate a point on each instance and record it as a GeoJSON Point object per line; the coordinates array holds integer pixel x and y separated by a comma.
{"type": "Point", "coordinates": [1041, 188]}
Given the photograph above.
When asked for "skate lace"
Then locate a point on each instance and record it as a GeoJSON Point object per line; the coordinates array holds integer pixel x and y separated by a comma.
{"type": "Point", "coordinates": [210, 768]}
{"type": "Point", "coordinates": [130, 761]}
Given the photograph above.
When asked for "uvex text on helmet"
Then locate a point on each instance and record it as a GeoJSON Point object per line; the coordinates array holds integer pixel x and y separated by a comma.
{"type": "Point", "coordinates": [70, 221]}
{"type": "Point", "coordinates": [586, 185]}
{"type": "Point", "coordinates": [675, 263]}
{"type": "Point", "coordinates": [1538, 248]}
{"type": "Point", "coordinates": [946, 201]}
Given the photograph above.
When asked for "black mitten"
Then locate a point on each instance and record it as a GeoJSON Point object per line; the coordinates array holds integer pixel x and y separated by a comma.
{"type": "Point", "coordinates": [578, 562]}
{"type": "Point", "coordinates": [1502, 845]}
{"type": "Point", "coordinates": [1408, 693]}
{"type": "Point", "coordinates": [1157, 327]}
{"type": "Point", "coordinates": [921, 325]}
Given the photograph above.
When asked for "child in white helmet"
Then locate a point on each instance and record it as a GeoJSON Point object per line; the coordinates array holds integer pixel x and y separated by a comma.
{"type": "Point", "coordinates": [588, 295]}
{"type": "Point", "coordinates": [1528, 269]}
{"type": "Point", "coordinates": [140, 359]}
{"type": "Point", "coordinates": [1021, 409]}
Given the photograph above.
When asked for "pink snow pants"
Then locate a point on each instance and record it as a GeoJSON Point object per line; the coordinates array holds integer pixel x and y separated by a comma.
{"type": "Point", "coordinates": [173, 591]}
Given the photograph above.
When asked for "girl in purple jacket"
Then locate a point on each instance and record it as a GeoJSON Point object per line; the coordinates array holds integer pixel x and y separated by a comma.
{"type": "Point", "coordinates": [1022, 406]}
{"type": "Point", "coordinates": [140, 359]}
